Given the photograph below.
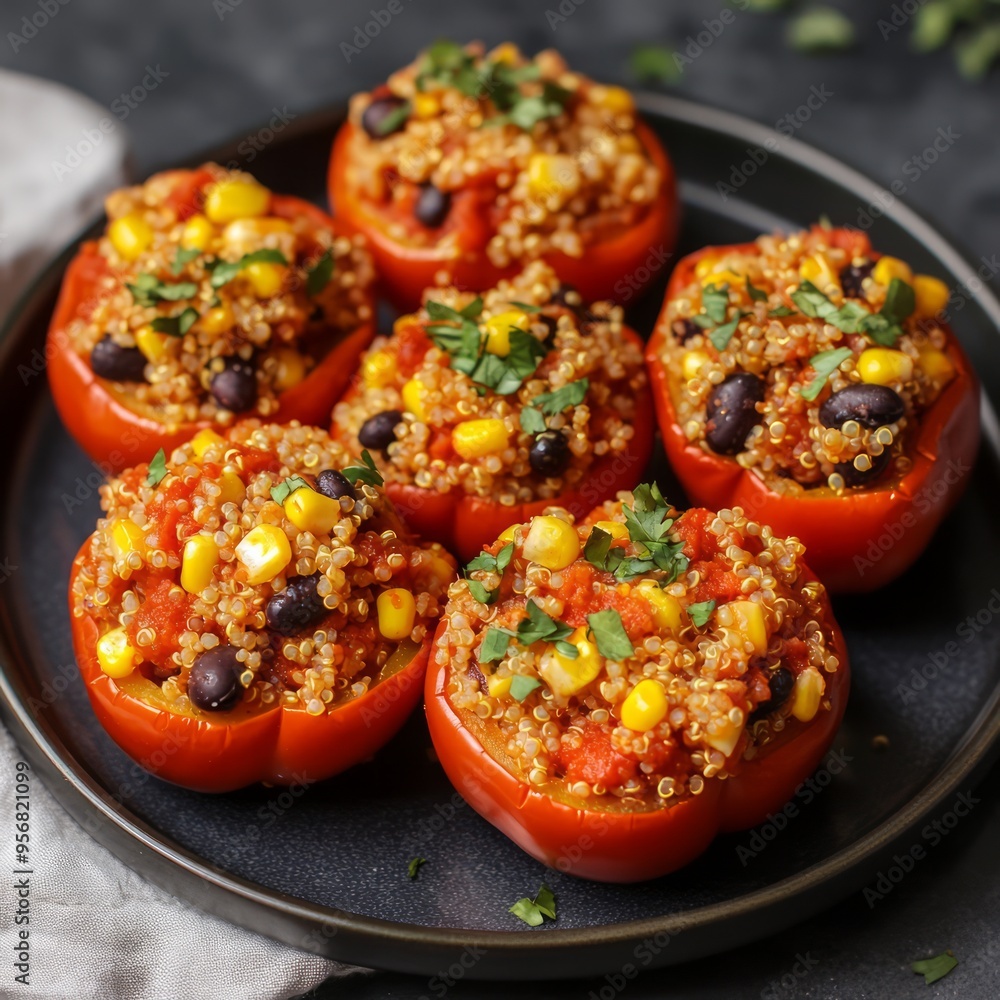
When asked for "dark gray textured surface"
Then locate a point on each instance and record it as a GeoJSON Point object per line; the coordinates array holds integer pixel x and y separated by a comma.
{"type": "Point", "coordinates": [226, 76]}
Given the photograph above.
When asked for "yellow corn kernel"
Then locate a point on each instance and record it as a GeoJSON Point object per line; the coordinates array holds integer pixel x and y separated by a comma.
{"type": "Point", "coordinates": [507, 535]}
{"type": "Point", "coordinates": [692, 362]}
{"type": "Point", "coordinates": [614, 528]}
{"type": "Point", "coordinates": [499, 687]}
{"type": "Point", "coordinates": [566, 676]}
{"type": "Point", "coordinates": [704, 266]}
{"type": "Point", "coordinates": [720, 278]}
{"type": "Point", "coordinates": [312, 511]}
{"type": "Point", "coordinates": [723, 735]}
{"type": "Point", "coordinates": [127, 536]}
{"type": "Point", "coordinates": [217, 320]}
{"type": "Point", "coordinates": [197, 233]}
{"type": "Point", "coordinates": [291, 369]}
{"type": "Point", "coordinates": [553, 175]}
{"type": "Point", "coordinates": [506, 52]}
{"type": "Point", "coordinates": [551, 542]}
{"type": "Point", "coordinates": [666, 609]}
{"type": "Point", "coordinates": [645, 706]}
{"type": "Point", "coordinates": [231, 200]}
{"type": "Point", "coordinates": [130, 235]}
{"type": "Point", "coordinates": [425, 105]}
{"type": "Point", "coordinates": [887, 268]}
{"type": "Point", "coordinates": [239, 235]}
{"type": "Point", "coordinates": [266, 278]}
{"type": "Point", "coordinates": [116, 655]}
{"type": "Point", "coordinates": [154, 346]}
{"type": "Point", "coordinates": [807, 694]}
{"type": "Point", "coordinates": [204, 440]}
{"type": "Point", "coordinates": [817, 270]}
{"type": "Point", "coordinates": [397, 612]}
{"type": "Point", "coordinates": [475, 438]}
{"type": "Point", "coordinates": [617, 100]}
{"type": "Point", "coordinates": [748, 620]}
{"type": "Point", "coordinates": [883, 366]}
{"type": "Point", "coordinates": [233, 489]}
{"type": "Point", "coordinates": [198, 562]}
{"type": "Point", "coordinates": [264, 552]}
{"type": "Point", "coordinates": [931, 294]}
{"type": "Point", "coordinates": [378, 370]}
{"type": "Point", "coordinates": [498, 330]}
{"type": "Point", "coordinates": [936, 365]}
{"type": "Point", "coordinates": [414, 393]}
{"type": "Point", "coordinates": [441, 571]}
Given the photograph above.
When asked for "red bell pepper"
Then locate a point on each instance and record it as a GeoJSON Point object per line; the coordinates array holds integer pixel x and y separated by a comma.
{"type": "Point", "coordinates": [865, 537]}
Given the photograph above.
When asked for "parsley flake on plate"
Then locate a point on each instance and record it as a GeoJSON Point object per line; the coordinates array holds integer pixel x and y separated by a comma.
{"type": "Point", "coordinates": [534, 911]}
{"type": "Point", "coordinates": [933, 969]}
{"type": "Point", "coordinates": [413, 868]}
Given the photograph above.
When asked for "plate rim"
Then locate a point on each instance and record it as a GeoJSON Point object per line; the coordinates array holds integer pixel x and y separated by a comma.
{"type": "Point", "coordinates": [368, 936]}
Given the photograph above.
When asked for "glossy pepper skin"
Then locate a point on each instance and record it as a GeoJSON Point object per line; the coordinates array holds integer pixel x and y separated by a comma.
{"type": "Point", "coordinates": [406, 270]}
{"type": "Point", "coordinates": [464, 524]}
{"type": "Point", "coordinates": [223, 751]}
{"type": "Point", "coordinates": [115, 436]}
{"type": "Point", "coordinates": [612, 845]}
{"type": "Point", "coordinates": [841, 533]}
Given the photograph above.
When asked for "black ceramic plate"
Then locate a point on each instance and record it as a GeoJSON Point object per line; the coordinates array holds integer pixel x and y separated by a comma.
{"type": "Point", "coordinates": [325, 868]}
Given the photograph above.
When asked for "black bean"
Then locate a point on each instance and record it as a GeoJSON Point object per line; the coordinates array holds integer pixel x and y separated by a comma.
{"type": "Point", "coordinates": [235, 387]}
{"type": "Point", "coordinates": [685, 329]}
{"type": "Point", "coordinates": [373, 119]}
{"type": "Point", "coordinates": [334, 484]}
{"type": "Point", "coordinates": [120, 364]}
{"type": "Point", "coordinates": [214, 681]}
{"type": "Point", "coordinates": [432, 206]}
{"type": "Point", "coordinates": [855, 477]}
{"type": "Point", "coordinates": [380, 431]}
{"type": "Point", "coordinates": [870, 405]}
{"type": "Point", "coordinates": [549, 453]}
{"type": "Point", "coordinates": [732, 412]}
{"type": "Point", "coordinates": [781, 682]}
{"type": "Point", "coordinates": [297, 606]}
{"type": "Point", "coordinates": [852, 276]}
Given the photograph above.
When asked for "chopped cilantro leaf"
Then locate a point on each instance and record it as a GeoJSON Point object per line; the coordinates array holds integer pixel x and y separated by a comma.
{"type": "Point", "coordinates": [367, 472]}
{"type": "Point", "coordinates": [567, 649]}
{"type": "Point", "coordinates": [539, 626]}
{"type": "Point", "coordinates": [820, 29]}
{"type": "Point", "coordinates": [824, 365]}
{"type": "Point", "coordinates": [284, 489]}
{"type": "Point", "coordinates": [532, 421]}
{"type": "Point", "coordinates": [597, 547]}
{"type": "Point", "coordinates": [933, 969]}
{"type": "Point", "coordinates": [176, 326]}
{"type": "Point", "coordinates": [526, 306]}
{"type": "Point", "coordinates": [495, 643]}
{"type": "Point", "coordinates": [715, 302]}
{"type": "Point", "coordinates": [850, 317]}
{"type": "Point", "coordinates": [147, 290]}
{"type": "Point", "coordinates": [319, 275]}
{"type": "Point", "coordinates": [224, 271]}
{"type": "Point", "coordinates": [781, 310]}
{"type": "Point", "coordinates": [900, 300]}
{"type": "Point", "coordinates": [551, 403]}
{"type": "Point", "coordinates": [534, 911]}
{"type": "Point", "coordinates": [701, 612]}
{"type": "Point", "coordinates": [721, 335]}
{"type": "Point", "coordinates": [521, 686]}
{"type": "Point", "coordinates": [755, 293]}
{"type": "Point", "coordinates": [414, 866]}
{"type": "Point", "coordinates": [182, 258]}
{"type": "Point", "coordinates": [157, 468]}
{"type": "Point", "coordinates": [393, 119]}
{"type": "Point", "coordinates": [480, 593]}
{"type": "Point", "coordinates": [612, 640]}
{"type": "Point", "coordinates": [649, 527]}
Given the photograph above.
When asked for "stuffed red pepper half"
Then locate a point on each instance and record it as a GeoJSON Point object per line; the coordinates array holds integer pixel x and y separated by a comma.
{"type": "Point", "coordinates": [207, 297]}
{"type": "Point", "coordinates": [470, 163]}
{"type": "Point", "coordinates": [486, 410]}
{"type": "Point", "coordinates": [250, 608]}
{"type": "Point", "coordinates": [611, 694]}
{"type": "Point", "coordinates": [812, 381]}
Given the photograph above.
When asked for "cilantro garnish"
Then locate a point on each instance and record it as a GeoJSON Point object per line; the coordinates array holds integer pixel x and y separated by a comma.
{"type": "Point", "coordinates": [449, 64]}
{"type": "Point", "coordinates": [284, 489]}
{"type": "Point", "coordinates": [755, 293]}
{"type": "Point", "coordinates": [824, 365]}
{"type": "Point", "coordinates": [176, 326]}
{"type": "Point", "coordinates": [701, 612]}
{"type": "Point", "coordinates": [534, 911]}
{"type": "Point", "coordinates": [147, 290]}
{"type": "Point", "coordinates": [526, 306]}
{"type": "Point", "coordinates": [715, 302]}
{"type": "Point", "coordinates": [612, 640]}
{"type": "Point", "coordinates": [393, 119]}
{"type": "Point", "coordinates": [157, 468]}
{"type": "Point", "coordinates": [414, 866]}
{"type": "Point", "coordinates": [367, 472]}
{"type": "Point", "coordinates": [224, 271]}
{"type": "Point", "coordinates": [521, 686]}
{"type": "Point", "coordinates": [480, 593]}
{"type": "Point", "coordinates": [495, 564]}
{"type": "Point", "coordinates": [495, 643]}
{"type": "Point", "coordinates": [551, 403]}
{"type": "Point", "coordinates": [649, 528]}
{"type": "Point", "coordinates": [183, 257]}
{"type": "Point", "coordinates": [781, 310]}
{"type": "Point", "coordinates": [933, 969]}
{"type": "Point", "coordinates": [886, 326]}
{"type": "Point", "coordinates": [721, 335]}
{"type": "Point", "coordinates": [319, 275]}
{"type": "Point", "coordinates": [612, 559]}
{"type": "Point", "coordinates": [539, 626]}
{"type": "Point", "coordinates": [849, 318]}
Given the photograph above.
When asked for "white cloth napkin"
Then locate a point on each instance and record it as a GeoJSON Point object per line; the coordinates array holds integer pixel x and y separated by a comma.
{"type": "Point", "coordinates": [98, 930]}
